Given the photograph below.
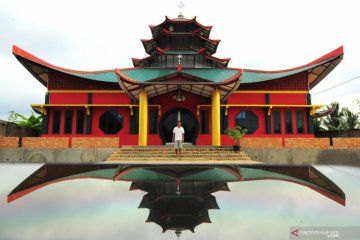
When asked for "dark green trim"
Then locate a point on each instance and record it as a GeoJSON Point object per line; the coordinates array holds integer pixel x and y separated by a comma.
{"type": "Point", "coordinates": [267, 117]}
{"type": "Point", "coordinates": [308, 99]}
{"type": "Point", "coordinates": [267, 98]}
{"type": "Point", "coordinates": [309, 117]}
{"type": "Point", "coordinates": [310, 122]}
{"type": "Point", "coordinates": [277, 120]}
{"type": "Point", "coordinates": [134, 122]}
{"type": "Point", "coordinates": [68, 123]}
{"type": "Point", "coordinates": [45, 124]}
{"type": "Point", "coordinates": [80, 125]}
{"type": "Point", "coordinates": [89, 123]}
{"type": "Point", "coordinates": [268, 122]}
{"type": "Point", "coordinates": [47, 98]}
{"type": "Point", "coordinates": [56, 124]}
{"type": "Point", "coordinates": [89, 98]}
{"type": "Point", "coordinates": [224, 121]}
{"type": "Point", "coordinates": [153, 120]}
{"type": "Point", "coordinates": [204, 121]}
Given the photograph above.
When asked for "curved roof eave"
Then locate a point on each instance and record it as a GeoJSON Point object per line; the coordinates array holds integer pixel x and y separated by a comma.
{"type": "Point", "coordinates": [197, 73]}
{"type": "Point", "coordinates": [33, 64]}
{"type": "Point", "coordinates": [167, 19]}
{"type": "Point", "coordinates": [327, 63]}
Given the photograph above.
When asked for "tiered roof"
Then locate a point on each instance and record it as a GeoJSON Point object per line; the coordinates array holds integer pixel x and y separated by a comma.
{"type": "Point", "coordinates": [201, 72]}
{"type": "Point", "coordinates": [180, 36]}
{"type": "Point", "coordinates": [303, 175]}
{"type": "Point", "coordinates": [182, 210]}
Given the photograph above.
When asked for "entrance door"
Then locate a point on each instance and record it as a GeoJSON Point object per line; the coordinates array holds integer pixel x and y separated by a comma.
{"type": "Point", "coordinates": [188, 122]}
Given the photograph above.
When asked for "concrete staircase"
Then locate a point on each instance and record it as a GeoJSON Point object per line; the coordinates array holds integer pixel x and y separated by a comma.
{"type": "Point", "coordinates": [190, 154]}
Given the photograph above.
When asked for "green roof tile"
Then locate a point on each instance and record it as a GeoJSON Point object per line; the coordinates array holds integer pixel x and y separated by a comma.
{"type": "Point", "coordinates": [212, 74]}
{"type": "Point", "coordinates": [146, 74]}
{"type": "Point", "coordinates": [254, 77]}
{"type": "Point", "coordinates": [102, 76]}
{"type": "Point", "coordinates": [184, 52]}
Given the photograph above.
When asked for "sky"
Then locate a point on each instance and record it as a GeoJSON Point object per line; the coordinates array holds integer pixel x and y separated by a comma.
{"type": "Point", "coordinates": [96, 35]}
{"type": "Point", "coordinates": [100, 209]}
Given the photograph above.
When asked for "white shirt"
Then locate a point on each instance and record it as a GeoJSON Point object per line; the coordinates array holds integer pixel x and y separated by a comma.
{"type": "Point", "coordinates": [179, 131]}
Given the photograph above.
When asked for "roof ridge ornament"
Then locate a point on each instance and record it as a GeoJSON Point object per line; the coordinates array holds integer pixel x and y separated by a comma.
{"type": "Point", "coordinates": [181, 4]}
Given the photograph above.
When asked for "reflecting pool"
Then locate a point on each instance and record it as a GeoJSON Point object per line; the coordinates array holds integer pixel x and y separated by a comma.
{"type": "Point", "coordinates": [166, 202]}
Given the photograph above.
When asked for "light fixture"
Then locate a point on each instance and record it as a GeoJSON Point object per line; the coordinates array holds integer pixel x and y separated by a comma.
{"type": "Point", "coordinates": [179, 97]}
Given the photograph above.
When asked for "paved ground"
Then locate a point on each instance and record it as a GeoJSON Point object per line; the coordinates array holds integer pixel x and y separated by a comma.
{"type": "Point", "coordinates": [349, 157]}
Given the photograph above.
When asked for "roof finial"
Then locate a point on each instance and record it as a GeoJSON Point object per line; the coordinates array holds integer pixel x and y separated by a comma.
{"type": "Point", "coordinates": [178, 233]}
{"type": "Point", "coordinates": [181, 4]}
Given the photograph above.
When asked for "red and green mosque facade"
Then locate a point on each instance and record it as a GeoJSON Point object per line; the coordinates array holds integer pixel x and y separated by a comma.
{"type": "Point", "coordinates": [180, 79]}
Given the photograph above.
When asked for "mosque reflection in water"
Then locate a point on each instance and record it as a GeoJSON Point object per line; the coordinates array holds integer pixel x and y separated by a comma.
{"type": "Point", "coordinates": [179, 196]}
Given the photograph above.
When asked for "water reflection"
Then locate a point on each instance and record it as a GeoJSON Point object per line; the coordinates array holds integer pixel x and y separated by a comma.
{"type": "Point", "coordinates": [179, 197]}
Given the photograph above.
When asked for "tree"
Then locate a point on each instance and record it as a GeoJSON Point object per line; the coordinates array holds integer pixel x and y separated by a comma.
{"type": "Point", "coordinates": [357, 101]}
{"type": "Point", "coordinates": [351, 119]}
{"type": "Point", "coordinates": [33, 121]}
{"type": "Point", "coordinates": [334, 121]}
{"type": "Point", "coordinates": [318, 124]}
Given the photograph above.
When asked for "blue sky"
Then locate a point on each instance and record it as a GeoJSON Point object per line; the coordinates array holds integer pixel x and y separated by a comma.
{"type": "Point", "coordinates": [96, 209]}
{"type": "Point", "coordinates": [95, 35]}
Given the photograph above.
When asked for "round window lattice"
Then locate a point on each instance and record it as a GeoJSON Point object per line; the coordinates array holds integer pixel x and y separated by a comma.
{"type": "Point", "coordinates": [111, 122]}
{"type": "Point", "coordinates": [248, 120]}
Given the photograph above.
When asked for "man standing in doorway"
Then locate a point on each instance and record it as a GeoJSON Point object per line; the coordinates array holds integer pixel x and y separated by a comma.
{"type": "Point", "coordinates": [178, 138]}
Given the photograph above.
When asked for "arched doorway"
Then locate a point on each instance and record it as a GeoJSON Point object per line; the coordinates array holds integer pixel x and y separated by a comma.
{"type": "Point", "coordinates": [188, 121]}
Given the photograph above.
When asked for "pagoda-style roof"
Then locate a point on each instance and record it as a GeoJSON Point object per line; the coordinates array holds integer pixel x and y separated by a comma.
{"type": "Point", "coordinates": [158, 81]}
{"type": "Point", "coordinates": [40, 69]}
{"type": "Point", "coordinates": [303, 175]}
{"type": "Point", "coordinates": [180, 206]}
{"type": "Point", "coordinates": [214, 61]}
{"type": "Point", "coordinates": [317, 70]}
{"type": "Point", "coordinates": [201, 81]}
{"type": "Point", "coordinates": [210, 45]}
{"type": "Point", "coordinates": [180, 25]}
{"type": "Point", "coordinates": [180, 33]}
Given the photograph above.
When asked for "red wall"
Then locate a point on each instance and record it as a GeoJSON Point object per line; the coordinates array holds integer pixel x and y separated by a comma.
{"type": "Point", "coordinates": [247, 98]}
{"type": "Point", "coordinates": [68, 98]}
{"type": "Point", "coordinates": [110, 98]}
{"type": "Point", "coordinates": [167, 103]}
{"type": "Point", "coordinates": [287, 98]}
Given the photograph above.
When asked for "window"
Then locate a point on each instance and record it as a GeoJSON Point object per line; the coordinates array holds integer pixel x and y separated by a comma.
{"type": "Point", "coordinates": [153, 119]}
{"type": "Point", "coordinates": [223, 121]}
{"type": "Point", "coordinates": [80, 120]}
{"type": "Point", "coordinates": [111, 122]}
{"type": "Point", "coordinates": [68, 122]}
{"type": "Point", "coordinates": [204, 121]}
{"type": "Point", "coordinates": [300, 122]}
{"type": "Point", "coordinates": [248, 120]}
{"type": "Point", "coordinates": [134, 122]}
{"type": "Point", "coordinates": [288, 122]}
{"type": "Point", "coordinates": [56, 122]}
{"type": "Point", "coordinates": [277, 122]}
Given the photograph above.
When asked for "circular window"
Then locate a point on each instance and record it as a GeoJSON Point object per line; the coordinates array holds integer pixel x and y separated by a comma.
{"type": "Point", "coordinates": [111, 122]}
{"type": "Point", "coordinates": [248, 120]}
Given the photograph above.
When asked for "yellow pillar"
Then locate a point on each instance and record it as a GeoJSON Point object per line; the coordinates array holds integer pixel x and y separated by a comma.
{"type": "Point", "coordinates": [143, 118]}
{"type": "Point", "coordinates": [215, 118]}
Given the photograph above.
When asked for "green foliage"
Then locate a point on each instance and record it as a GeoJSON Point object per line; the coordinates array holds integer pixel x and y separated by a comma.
{"type": "Point", "coordinates": [236, 133]}
{"type": "Point", "coordinates": [339, 119]}
{"type": "Point", "coordinates": [357, 101]}
{"type": "Point", "coordinates": [317, 124]}
{"type": "Point", "coordinates": [33, 121]}
{"type": "Point", "coordinates": [351, 120]}
{"type": "Point", "coordinates": [334, 121]}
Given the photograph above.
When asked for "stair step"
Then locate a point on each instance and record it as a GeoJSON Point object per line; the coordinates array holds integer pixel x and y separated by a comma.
{"type": "Point", "coordinates": [188, 153]}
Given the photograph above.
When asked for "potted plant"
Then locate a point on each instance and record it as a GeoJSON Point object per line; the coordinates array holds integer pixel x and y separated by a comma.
{"type": "Point", "coordinates": [236, 134]}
